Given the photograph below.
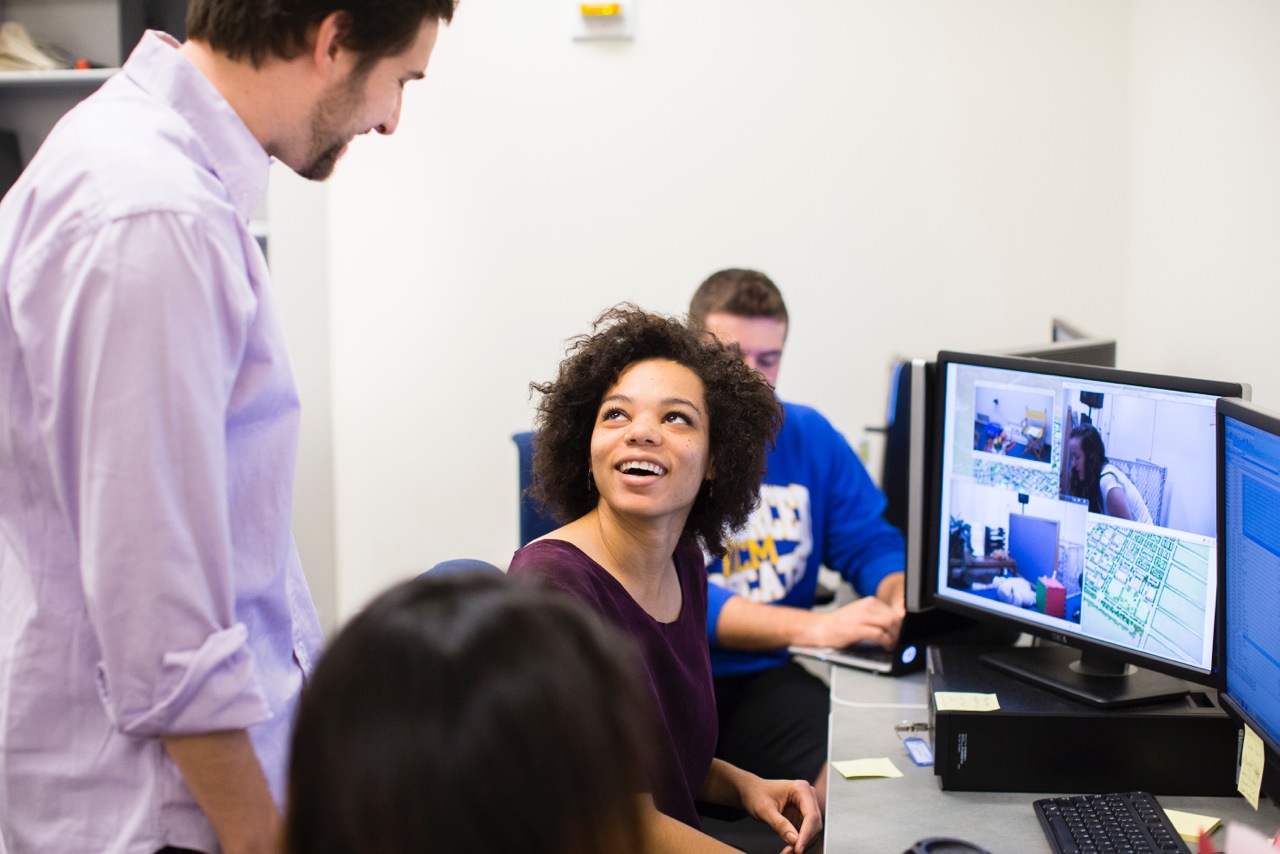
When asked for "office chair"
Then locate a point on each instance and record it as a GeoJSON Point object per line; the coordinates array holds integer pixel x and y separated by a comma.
{"type": "Point", "coordinates": [1150, 479]}
{"type": "Point", "coordinates": [462, 564]}
{"type": "Point", "coordinates": [1033, 427]}
{"type": "Point", "coordinates": [534, 522]}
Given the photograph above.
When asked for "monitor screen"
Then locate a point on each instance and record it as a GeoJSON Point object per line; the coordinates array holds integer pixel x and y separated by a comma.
{"type": "Point", "coordinates": [1076, 502]}
{"type": "Point", "coordinates": [1249, 567]}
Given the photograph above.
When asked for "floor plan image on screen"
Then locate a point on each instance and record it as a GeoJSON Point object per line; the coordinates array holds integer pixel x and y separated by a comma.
{"type": "Point", "coordinates": [1145, 591]}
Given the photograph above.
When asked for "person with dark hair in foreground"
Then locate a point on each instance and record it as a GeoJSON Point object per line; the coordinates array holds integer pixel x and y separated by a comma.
{"type": "Point", "coordinates": [652, 440]}
{"type": "Point", "coordinates": [818, 507]}
{"type": "Point", "coordinates": [471, 712]}
{"type": "Point", "coordinates": [155, 624]}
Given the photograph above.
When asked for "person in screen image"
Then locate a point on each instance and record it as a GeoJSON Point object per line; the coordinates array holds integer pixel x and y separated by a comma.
{"type": "Point", "coordinates": [1092, 477]}
{"type": "Point", "coordinates": [652, 440]}
{"type": "Point", "coordinates": [471, 712]}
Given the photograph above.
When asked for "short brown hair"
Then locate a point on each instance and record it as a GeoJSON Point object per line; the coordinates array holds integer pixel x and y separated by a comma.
{"type": "Point", "coordinates": [258, 30]}
{"type": "Point", "coordinates": [743, 413]}
{"type": "Point", "coordinates": [740, 292]}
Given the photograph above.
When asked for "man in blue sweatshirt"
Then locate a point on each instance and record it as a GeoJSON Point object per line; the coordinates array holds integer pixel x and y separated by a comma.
{"type": "Point", "coordinates": [818, 507]}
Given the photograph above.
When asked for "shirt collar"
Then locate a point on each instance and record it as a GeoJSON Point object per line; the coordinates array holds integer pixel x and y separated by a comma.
{"type": "Point", "coordinates": [235, 155]}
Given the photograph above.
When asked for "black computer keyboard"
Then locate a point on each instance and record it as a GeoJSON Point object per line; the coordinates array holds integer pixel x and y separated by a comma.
{"type": "Point", "coordinates": [1124, 823]}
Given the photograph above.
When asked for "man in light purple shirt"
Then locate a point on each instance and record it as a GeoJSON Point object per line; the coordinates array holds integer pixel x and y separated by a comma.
{"type": "Point", "coordinates": [155, 624]}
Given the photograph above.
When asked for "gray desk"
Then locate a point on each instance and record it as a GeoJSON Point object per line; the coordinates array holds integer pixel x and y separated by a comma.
{"type": "Point", "coordinates": [885, 816]}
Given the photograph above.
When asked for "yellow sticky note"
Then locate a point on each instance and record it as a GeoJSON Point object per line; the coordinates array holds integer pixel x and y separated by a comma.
{"type": "Point", "coordinates": [1189, 824]}
{"type": "Point", "coordinates": [1250, 782]}
{"type": "Point", "coordinates": [866, 768]}
{"type": "Point", "coordinates": [956, 701]}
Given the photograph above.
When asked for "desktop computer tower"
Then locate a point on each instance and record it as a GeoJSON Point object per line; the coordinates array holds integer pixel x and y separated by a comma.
{"type": "Point", "coordinates": [1039, 741]}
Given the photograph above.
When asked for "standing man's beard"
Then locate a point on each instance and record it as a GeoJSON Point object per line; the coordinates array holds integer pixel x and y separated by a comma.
{"type": "Point", "coordinates": [322, 167]}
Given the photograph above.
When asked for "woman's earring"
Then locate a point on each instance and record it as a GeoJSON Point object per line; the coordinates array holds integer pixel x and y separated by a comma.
{"type": "Point", "coordinates": [591, 481]}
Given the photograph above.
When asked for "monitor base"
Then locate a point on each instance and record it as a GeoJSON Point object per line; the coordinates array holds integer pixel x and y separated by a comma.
{"type": "Point", "coordinates": [1060, 669]}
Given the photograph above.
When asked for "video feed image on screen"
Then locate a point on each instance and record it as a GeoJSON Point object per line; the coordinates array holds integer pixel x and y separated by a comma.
{"type": "Point", "coordinates": [1251, 557]}
{"type": "Point", "coordinates": [1082, 506]}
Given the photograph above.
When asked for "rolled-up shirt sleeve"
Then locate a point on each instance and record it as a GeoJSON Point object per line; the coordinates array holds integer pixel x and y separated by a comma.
{"type": "Point", "coordinates": [133, 361]}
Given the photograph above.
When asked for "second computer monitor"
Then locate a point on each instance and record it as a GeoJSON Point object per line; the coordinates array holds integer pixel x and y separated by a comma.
{"type": "Point", "coordinates": [1249, 569]}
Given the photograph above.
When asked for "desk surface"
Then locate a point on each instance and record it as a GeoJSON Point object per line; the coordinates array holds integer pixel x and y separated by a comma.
{"type": "Point", "coordinates": [886, 816]}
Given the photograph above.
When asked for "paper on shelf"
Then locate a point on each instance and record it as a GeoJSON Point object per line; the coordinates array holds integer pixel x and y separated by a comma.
{"type": "Point", "coordinates": [19, 52]}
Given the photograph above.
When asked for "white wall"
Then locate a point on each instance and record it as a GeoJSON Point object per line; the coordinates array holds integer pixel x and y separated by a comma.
{"type": "Point", "coordinates": [297, 244]}
{"type": "Point", "coordinates": [1202, 295]}
{"type": "Point", "coordinates": [914, 175]}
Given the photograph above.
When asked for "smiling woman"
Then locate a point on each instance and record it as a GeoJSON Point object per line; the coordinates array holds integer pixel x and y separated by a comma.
{"type": "Point", "coordinates": [651, 442]}
{"type": "Point", "coordinates": [741, 417]}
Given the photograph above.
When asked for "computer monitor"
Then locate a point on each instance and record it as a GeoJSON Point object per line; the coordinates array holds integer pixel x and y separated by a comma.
{"type": "Point", "coordinates": [1080, 351]}
{"type": "Point", "coordinates": [1249, 571]}
{"type": "Point", "coordinates": [1063, 330]}
{"type": "Point", "coordinates": [904, 472]}
{"type": "Point", "coordinates": [1036, 466]}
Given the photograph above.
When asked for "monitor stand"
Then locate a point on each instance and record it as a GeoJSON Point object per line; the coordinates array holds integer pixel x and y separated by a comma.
{"type": "Point", "coordinates": [1097, 680]}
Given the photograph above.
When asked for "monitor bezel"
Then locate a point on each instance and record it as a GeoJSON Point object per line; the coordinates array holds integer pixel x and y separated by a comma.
{"type": "Point", "coordinates": [1077, 351]}
{"type": "Point", "coordinates": [1261, 419]}
{"type": "Point", "coordinates": [1087, 373]}
{"type": "Point", "coordinates": [915, 377]}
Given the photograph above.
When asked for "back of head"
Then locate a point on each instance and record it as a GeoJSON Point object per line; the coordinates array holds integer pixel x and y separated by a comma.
{"type": "Point", "coordinates": [470, 712]}
{"type": "Point", "coordinates": [1091, 443]}
{"type": "Point", "coordinates": [739, 292]}
{"type": "Point", "coordinates": [258, 30]}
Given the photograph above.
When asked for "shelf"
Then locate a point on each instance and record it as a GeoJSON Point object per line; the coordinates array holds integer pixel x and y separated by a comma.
{"type": "Point", "coordinates": [62, 78]}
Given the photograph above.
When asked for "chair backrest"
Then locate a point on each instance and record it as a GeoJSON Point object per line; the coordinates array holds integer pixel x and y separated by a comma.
{"type": "Point", "coordinates": [533, 521]}
{"type": "Point", "coordinates": [462, 564]}
{"type": "Point", "coordinates": [1036, 416]}
{"type": "Point", "coordinates": [1149, 478]}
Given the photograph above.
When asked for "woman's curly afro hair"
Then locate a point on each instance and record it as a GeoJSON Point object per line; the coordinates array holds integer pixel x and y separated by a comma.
{"type": "Point", "coordinates": [743, 411]}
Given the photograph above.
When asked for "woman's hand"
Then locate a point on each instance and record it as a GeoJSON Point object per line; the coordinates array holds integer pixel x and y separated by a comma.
{"type": "Point", "coordinates": [790, 807]}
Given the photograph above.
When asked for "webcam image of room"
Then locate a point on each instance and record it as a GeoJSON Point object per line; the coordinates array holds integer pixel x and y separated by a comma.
{"type": "Point", "coordinates": [1108, 531]}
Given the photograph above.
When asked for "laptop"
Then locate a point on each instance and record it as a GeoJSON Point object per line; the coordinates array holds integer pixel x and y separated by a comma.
{"type": "Point", "coordinates": [919, 629]}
